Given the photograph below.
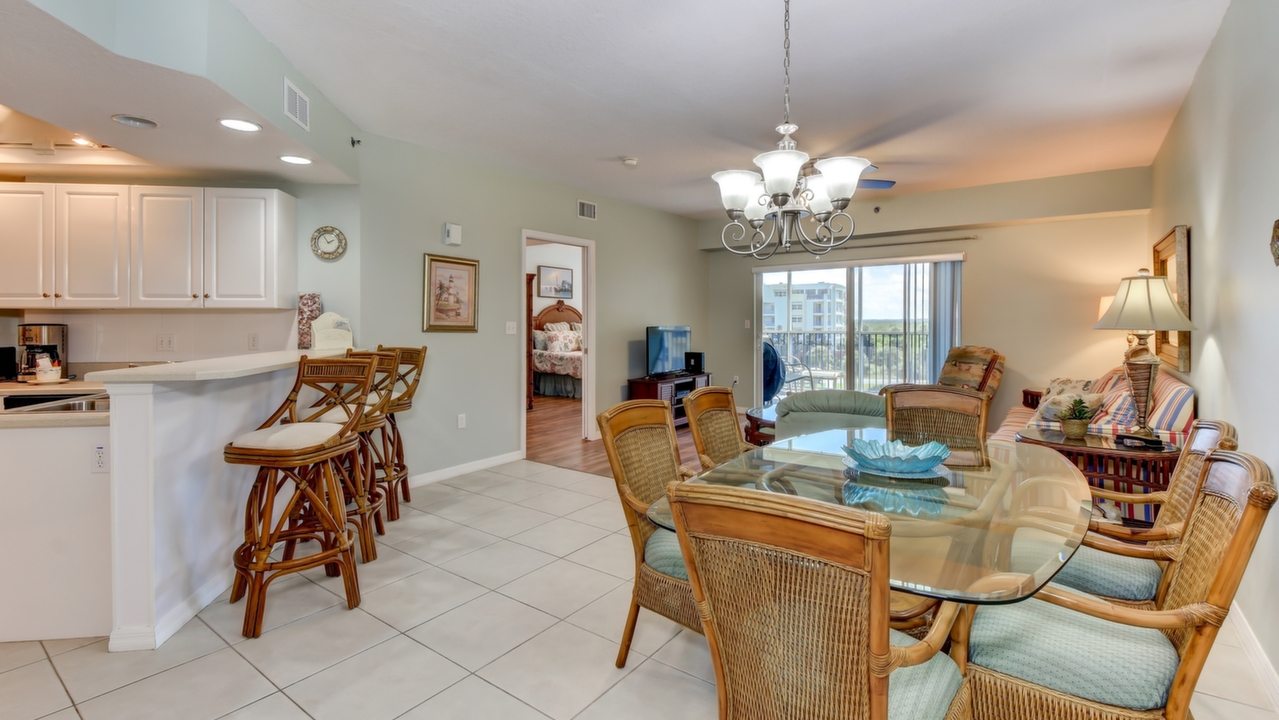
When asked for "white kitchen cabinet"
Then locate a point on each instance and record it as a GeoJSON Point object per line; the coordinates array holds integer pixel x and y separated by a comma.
{"type": "Point", "coordinates": [26, 245]}
{"type": "Point", "coordinates": [91, 246]}
{"type": "Point", "coordinates": [167, 246]}
{"type": "Point", "coordinates": [250, 248]}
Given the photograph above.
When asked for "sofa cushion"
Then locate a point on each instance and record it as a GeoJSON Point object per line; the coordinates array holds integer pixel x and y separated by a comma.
{"type": "Point", "coordinates": [1076, 654]}
{"type": "Point", "coordinates": [817, 410]}
{"type": "Point", "coordinates": [1118, 408]}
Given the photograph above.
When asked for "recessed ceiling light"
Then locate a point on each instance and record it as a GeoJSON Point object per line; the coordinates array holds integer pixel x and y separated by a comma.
{"type": "Point", "coordinates": [135, 121]}
{"type": "Point", "coordinates": [241, 125]}
{"type": "Point", "coordinates": [83, 141]}
{"type": "Point", "coordinates": [295, 160]}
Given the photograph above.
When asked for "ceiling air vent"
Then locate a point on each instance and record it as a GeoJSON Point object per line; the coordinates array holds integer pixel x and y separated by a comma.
{"type": "Point", "coordinates": [297, 105]}
{"type": "Point", "coordinates": [585, 210]}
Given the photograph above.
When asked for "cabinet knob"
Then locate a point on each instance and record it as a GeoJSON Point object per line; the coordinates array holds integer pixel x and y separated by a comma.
{"type": "Point", "coordinates": [44, 295]}
{"type": "Point", "coordinates": [57, 295]}
{"type": "Point", "coordinates": [206, 295]}
{"type": "Point", "coordinates": [194, 296]}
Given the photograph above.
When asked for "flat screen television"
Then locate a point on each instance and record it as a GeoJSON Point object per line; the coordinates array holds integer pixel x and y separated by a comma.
{"type": "Point", "coordinates": [666, 347]}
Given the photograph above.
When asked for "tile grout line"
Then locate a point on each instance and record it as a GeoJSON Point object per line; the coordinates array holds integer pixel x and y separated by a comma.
{"type": "Point", "coordinates": [61, 682]}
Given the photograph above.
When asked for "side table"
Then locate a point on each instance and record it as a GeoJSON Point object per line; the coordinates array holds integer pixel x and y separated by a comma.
{"type": "Point", "coordinates": [1110, 465]}
{"type": "Point", "coordinates": [760, 424]}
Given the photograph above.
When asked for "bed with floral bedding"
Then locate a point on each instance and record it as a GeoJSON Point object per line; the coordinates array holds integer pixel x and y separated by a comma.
{"type": "Point", "coordinates": [556, 355]}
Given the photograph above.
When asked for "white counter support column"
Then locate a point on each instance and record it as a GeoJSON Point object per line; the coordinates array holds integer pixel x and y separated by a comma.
{"type": "Point", "coordinates": [177, 508]}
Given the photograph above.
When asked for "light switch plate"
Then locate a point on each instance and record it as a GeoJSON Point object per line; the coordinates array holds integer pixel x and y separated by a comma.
{"type": "Point", "coordinates": [510, 328]}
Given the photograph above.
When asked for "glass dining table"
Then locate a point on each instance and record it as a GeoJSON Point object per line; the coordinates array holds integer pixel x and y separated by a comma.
{"type": "Point", "coordinates": [994, 529]}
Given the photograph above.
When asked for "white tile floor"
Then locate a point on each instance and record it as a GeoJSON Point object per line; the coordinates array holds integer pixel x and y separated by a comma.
{"type": "Point", "coordinates": [499, 594]}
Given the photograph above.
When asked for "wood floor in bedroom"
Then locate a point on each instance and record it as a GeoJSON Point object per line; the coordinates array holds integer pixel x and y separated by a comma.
{"type": "Point", "coordinates": [555, 438]}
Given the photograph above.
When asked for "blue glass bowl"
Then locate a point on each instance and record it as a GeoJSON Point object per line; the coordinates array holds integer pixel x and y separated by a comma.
{"type": "Point", "coordinates": [896, 456]}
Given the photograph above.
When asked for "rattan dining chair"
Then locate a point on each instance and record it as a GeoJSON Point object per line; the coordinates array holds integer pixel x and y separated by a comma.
{"type": "Point", "coordinates": [953, 416]}
{"type": "Point", "coordinates": [716, 427]}
{"type": "Point", "coordinates": [1066, 656]}
{"type": "Point", "coordinates": [1132, 565]}
{"type": "Point", "coordinates": [639, 439]}
{"type": "Point", "coordinates": [794, 600]}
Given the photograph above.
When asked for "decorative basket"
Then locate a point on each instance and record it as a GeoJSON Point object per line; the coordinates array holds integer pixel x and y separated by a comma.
{"type": "Point", "coordinates": [1074, 429]}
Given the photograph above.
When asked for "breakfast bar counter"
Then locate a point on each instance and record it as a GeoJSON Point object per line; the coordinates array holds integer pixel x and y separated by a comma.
{"type": "Point", "coordinates": [176, 507]}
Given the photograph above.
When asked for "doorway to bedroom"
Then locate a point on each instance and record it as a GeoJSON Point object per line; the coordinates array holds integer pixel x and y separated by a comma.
{"type": "Point", "coordinates": [556, 392]}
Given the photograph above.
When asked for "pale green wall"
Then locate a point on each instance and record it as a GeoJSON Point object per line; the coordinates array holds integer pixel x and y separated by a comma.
{"type": "Point", "coordinates": [1030, 290]}
{"type": "Point", "coordinates": [1216, 173]}
{"type": "Point", "coordinates": [648, 272]}
{"type": "Point", "coordinates": [337, 281]}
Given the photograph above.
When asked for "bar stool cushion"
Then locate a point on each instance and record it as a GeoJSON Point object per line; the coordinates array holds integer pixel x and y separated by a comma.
{"type": "Point", "coordinates": [339, 416]}
{"type": "Point", "coordinates": [289, 436]}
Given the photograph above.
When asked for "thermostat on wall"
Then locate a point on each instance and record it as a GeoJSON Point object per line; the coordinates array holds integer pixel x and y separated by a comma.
{"type": "Point", "coordinates": [452, 234]}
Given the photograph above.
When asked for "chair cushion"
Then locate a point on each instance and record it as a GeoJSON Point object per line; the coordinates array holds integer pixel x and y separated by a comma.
{"type": "Point", "coordinates": [1076, 654]}
{"type": "Point", "coordinates": [924, 691]}
{"type": "Point", "coordinates": [967, 366]}
{"type": "Point", "coordinates": [290, 436]}
{"type": "Point", "coordinates": [1095, 572]}
{"type": "Point", "coordinates": [662, 553]}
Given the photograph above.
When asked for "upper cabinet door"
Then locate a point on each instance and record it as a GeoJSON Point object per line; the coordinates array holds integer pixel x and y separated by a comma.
{"type": "Point", "coordinates": [91, 246]}
{"type": "Point", "coordinates": [167, 246]}
{"type": "Point", "coordinates": [26, 245]}
{"type": "Point", "coordinates": [250, 248]}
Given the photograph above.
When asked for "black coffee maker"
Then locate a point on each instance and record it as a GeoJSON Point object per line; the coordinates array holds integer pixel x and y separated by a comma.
{"type": "Point", "coordinates": [34, 339]}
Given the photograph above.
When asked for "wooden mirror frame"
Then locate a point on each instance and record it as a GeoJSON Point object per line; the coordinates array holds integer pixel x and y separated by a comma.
{"type": "Point", "coordinates": [1176, 246]}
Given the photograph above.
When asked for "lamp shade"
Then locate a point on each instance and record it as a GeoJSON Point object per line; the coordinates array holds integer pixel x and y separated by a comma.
{"type": "Point", "coordinates": [820, 202]}
{"type": "Point", "coordinates": [842, 174]}
{"type": "Point", "coordinates": [756, 203]}
{"type": "Point", "coordinates": [781, 170]}
{"type": "Point", "coordinates": [735, 187]}
{"type": "Point", "coordinates": [1144, 302]}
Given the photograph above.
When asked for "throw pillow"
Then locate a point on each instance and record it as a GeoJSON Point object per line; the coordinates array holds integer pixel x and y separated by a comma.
{"type": "Point", "coordinates": [1050, 407]}
{"type": "Point", "coordinates": [576, 327]}
{"type": "Point", "coordinates": [539, 339]}
{"type": "Point", "coordinates": [562, 341]}
{"type": "Point", "coordinates": [557, 327]}
{"type": "Point", "coordinates": [1066, 386]}
{"type": "Point", "coordinates": [1118, 408]}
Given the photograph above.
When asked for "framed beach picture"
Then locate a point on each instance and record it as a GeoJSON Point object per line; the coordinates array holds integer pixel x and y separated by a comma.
{"type": "Point", "coordinates": [554, 282]}
{"type": "Point", "coordinates": [450, 294]}
{"type": "Point", "coordinates": [1172, 258]}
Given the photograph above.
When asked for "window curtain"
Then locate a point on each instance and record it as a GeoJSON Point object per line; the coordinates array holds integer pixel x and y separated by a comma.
{"type": "Point", "coordinates": [944, 332]}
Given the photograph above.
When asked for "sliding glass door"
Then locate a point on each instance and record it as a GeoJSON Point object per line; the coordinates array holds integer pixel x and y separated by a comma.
{"type": "Point", "coordinates": [860, 328]}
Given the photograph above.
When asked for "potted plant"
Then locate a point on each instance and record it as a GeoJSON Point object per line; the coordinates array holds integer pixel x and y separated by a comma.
{"type": "Point", "coordinates": [1074, 419]}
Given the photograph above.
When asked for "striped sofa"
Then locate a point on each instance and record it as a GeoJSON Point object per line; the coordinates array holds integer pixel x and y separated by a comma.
{"type": "Point", "coordinates": [1170, 415]}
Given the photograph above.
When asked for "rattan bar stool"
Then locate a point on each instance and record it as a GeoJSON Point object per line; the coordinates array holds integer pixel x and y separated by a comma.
{"type": "Point", "coordinates": [364, 498]}
{"type": "Point", "coordinates": [395, 475]}
{"type": "Point", "coordinates": [297, 494]}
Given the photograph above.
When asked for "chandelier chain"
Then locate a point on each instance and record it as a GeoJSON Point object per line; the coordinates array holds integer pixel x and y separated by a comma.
{"type": "Point", "coordinates": [786, 64]}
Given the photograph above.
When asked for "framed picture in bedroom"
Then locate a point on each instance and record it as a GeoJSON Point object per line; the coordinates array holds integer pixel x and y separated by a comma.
{"type": "Point", "coordinates": [554, 282]}
{"type": "Point", "coordinates": [1172, 259]}
{"type": "Point", "coordinates": [450, 294]}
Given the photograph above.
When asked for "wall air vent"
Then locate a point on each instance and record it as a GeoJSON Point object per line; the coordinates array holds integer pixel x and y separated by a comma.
{"type": "Point", "coordinates": [297, 105]}
{"type": "Point", "coordinates": [585, 210]}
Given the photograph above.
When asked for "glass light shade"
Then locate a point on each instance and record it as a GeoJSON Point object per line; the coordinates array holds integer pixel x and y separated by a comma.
{"type": "Point", "coordinates": [820, 202]}
{"type": "Point", "coordinates": [757, 203]}
{"type": "Point", "coordinates": [842, 174]}
{"type": "Point", "coordinates": [1144, 302]}
{"type": "Point", "coordinates": [781, 169]}
{"type": "Point", "coordinates": [735, 187]}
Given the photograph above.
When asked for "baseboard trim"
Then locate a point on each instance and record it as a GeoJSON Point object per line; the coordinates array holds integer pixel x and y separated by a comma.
{"type": "Point", "coordinates": [1256, 654]}
{"type": "Point", "coordinates": [189, 608]}
{"type": "Point", "coordinates": [130, 639]}
{"type": "Point", "coordinates": [451, 472]}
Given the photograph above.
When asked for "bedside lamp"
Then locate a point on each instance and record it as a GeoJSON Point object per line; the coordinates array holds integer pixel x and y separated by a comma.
{"type": "Point", "coordinates": [1143, 304]}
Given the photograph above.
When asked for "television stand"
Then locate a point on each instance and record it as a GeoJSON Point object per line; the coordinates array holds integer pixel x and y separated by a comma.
{"type": "Point", "coordinates": [671, 388]}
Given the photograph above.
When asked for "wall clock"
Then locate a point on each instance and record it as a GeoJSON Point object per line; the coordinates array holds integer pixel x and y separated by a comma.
{"type": "Point", "coordinates": [328, 243]}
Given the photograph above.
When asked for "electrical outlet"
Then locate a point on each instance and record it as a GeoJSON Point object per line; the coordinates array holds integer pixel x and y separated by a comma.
{"type": "Point", "coordinates": [253, 342]}
{"type": "Point", "coordinates": [748, 324]}
{"type": "Point", "coordinates": [734, 379]}
{"type": "Point", "coordinates": [101, 461]}
{"type": "Point", "coordinates": [165, 342]}
{"type": "Point", "coordinates": [461, 421]}
{"type": "Point", "coordinates": [510, 328]}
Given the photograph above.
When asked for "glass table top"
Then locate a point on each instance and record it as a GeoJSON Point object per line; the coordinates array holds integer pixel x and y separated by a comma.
{"type": "Point", "coordinates": [990, 529]}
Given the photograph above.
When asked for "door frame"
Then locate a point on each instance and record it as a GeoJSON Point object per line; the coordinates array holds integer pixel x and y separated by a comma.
{"type": "Point", "coordinates": [590, 431]}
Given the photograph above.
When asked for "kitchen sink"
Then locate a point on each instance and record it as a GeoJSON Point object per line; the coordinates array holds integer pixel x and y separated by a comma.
{"type": "Point", "coordinates": [100, 402]}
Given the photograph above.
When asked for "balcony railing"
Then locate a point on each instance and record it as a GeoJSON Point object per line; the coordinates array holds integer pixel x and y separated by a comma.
{"type": "Point", "coordinates": [879, 358]}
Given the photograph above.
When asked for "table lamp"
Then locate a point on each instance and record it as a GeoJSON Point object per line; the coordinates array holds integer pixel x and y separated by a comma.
{"type": "Point", "coordinates": [1143, 304]}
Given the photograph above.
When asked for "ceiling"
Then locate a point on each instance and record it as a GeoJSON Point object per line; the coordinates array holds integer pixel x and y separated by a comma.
{"type": "Point", "coordinates": [73, 85]}
{"type": "Point", "coordinates": [939, 94]}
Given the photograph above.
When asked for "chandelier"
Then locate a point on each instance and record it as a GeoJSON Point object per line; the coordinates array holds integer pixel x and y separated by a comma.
{"type": "Point", "coordinates": [785, 196]}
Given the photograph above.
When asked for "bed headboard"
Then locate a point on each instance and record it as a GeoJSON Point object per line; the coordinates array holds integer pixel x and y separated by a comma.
{"type": "Point", "coordinates": [559, 312]}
